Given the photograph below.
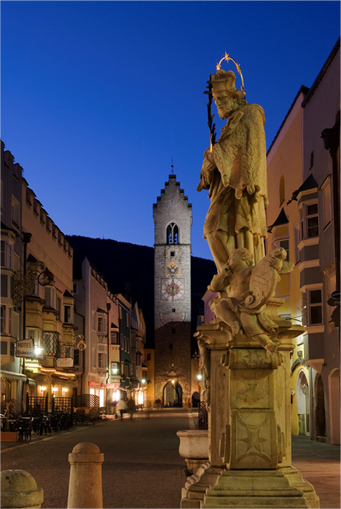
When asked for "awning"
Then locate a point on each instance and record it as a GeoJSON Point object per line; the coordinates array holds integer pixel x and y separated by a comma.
{"type": "Point", "coordinates": [11, 375]}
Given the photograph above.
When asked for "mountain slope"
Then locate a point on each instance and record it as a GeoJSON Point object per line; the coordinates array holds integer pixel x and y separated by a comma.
{"type": "Point", "coordinates": [129, 269]}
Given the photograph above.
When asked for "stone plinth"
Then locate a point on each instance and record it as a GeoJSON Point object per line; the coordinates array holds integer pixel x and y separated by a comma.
{"type": "Point", "coordinates": [249, 431]}
{"type": "Point", "coordinates": [194, 448]}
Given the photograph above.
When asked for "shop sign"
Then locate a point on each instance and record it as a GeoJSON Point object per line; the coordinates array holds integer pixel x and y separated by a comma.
{"type": "Point", "coordinates": [25, 348]}
{"type": "Point", "coordinates": [66, 362]}
{"type": "Point", "coordinates": [113, 386]}
{"type": "Point", "coordinates": [94, 384]}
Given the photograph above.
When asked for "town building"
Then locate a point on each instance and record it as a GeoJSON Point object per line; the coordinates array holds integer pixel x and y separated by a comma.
{"type": "Point", "coordinates": [172, 298]}
{"type": "Point", "coordinates": [45, 285]}
{"type": "Point", "coordinates": [11, 372]}
{"type": "Point", "coordinates": [303, 217]}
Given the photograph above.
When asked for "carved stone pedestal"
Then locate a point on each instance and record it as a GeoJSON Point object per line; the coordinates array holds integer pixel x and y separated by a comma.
{"type": "Point", "coordinates": [249, 423]}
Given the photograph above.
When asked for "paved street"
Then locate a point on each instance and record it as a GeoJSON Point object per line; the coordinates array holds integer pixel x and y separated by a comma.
{"type": "Point", "coordinates": [142, 466]}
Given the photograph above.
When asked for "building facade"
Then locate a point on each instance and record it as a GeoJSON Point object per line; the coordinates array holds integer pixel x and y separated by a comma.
{"type": "Point", "coordinates": [303, 217]}
{"type": "Point", "coordinates": [12, 375]}
{"type": "Point", "coordinates": [172, 299]}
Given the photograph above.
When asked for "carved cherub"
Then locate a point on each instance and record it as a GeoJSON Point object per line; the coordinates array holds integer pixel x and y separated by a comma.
{"type": "Point", "coordinates": [245, 292]}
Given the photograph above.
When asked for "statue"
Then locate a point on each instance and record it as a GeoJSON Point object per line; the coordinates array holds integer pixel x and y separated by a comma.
{"type": "Point", "coordinates": [234, 171]}
{"type": "Point", "coordinates": [245, 291]}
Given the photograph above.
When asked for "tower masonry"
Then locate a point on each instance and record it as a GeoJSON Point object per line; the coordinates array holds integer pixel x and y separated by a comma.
{"type": "Point", "coordinates": [172, 301]}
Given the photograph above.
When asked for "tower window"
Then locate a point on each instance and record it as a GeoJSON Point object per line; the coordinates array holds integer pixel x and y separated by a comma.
{"type": "Point", "coordinates": [172, 253]}
{"type": "Point", "coordinates": [171, 346]}
{"type": "Point", "coordinates": [173, 331]}
{"type": "Point", "coordinates": [172, 234]}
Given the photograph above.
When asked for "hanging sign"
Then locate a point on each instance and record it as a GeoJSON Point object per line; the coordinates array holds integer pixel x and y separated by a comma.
{"type": "Point", "coordinates": [25, 348]}
{"type": "Point", "coordinates": [64, 362]}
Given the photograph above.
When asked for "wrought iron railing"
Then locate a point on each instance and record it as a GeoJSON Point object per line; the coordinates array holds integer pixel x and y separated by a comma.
{"type": "Point", "coordinates": [51, 343]}
{"type": "Point", "coordinates": [87, 400]}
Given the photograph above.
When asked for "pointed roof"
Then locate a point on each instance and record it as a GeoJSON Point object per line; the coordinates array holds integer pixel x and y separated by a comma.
{"type": "Point", "coordinates": [281, 219]}
{"type": "Point", "coordinates": [309, 183]}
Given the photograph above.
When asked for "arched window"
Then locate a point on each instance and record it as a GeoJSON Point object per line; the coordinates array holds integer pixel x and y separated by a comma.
{"type": "Point", "coordinates": [172, 234]}
{"type": "Point", "coordinates": [281, 190]}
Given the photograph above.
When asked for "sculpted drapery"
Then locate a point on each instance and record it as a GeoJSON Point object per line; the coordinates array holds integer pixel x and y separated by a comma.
{"type": "Point", "coordinates": [234, 171]}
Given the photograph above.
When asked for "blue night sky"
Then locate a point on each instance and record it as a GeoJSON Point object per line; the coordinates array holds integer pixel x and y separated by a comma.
{"type": "Point", "coordinates": [98, 97]}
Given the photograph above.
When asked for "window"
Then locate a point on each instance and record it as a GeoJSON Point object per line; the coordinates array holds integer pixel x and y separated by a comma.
{"type": "Point", "coordinates": [100, 324]}
{"type": "Point", "coordinates": [58, 308]}
{"type": "Point", "coordinates": [114, 338]}
{"type": "Point", "coordinates": [314, 307]}
{"type": "Point", "coordinates": [172, 253]}
{"type": "Point", "coordinates": [149, 356]}
{"type": "Point", "coordinates": [49, 297]}
{"type": "Point", "coordinates": [284, 243]}
{"type": "Point", "coordinates": [3, 319]}
{"type": "Point", "coordinates": [68, 318]}
{"type": "Point", "coordinates": [10, 321]}
{"type": "Point", "coordinates": [327, 202]}
{"type": "Point", "coordinates": [312, 220]}
{"type": "Point", "coordinates": [122, 342]}
{"type": "Point", "coordinates": [15, 213]}
{"type": "Point", "coordinates": [76, 357]}
{"type": "Point", "coordinates": [115, 368]}
{"type": "Point", "coordinates": [128, 345]}
{"type": "Point", "coordinates": [93, 313]}
{"type": "Point", "coordinates": [12, 349]}
{"type": "Point", "coordinates": [3, 347]}
{"type": "Point", "coordinates": [4, 285]}
{"type": "Point", "coordinates": [6, 255]}
{"type": "Point", "coordinates": [171, 346]}
{"type": "Point", "coordinates": [101, 360]}
{"type": "Point", "coordinates": [34, 334]}
{"type": "Point", "coordinates": [172, 234]}
{"type": "Point", "coordinates": [3, 253]}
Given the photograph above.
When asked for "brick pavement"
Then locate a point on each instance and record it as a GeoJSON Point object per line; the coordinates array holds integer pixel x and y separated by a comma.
{"type": "Point", "coordinates": [319, 463]}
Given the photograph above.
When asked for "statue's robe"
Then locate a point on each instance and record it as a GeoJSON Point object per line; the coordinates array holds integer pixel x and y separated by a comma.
{"type": "Point", "coordinates": [238, 181]}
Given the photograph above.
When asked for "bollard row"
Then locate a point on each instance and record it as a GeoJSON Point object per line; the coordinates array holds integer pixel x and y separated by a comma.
{"type": "Point", "coordinates": [19, 489]}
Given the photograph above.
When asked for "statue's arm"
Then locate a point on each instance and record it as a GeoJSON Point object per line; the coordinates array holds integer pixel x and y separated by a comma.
{"type": "Point", "coordinates": [207, 169]}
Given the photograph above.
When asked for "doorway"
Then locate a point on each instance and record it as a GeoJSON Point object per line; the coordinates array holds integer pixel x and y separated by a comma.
{"type": "Point", "coordinates": [172, 394]}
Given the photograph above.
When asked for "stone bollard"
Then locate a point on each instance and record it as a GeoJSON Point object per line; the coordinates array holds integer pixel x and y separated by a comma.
{"type": "Point", "coordinates": [85, 484]}
{"type": "Point", "coordinates": [19, 490]}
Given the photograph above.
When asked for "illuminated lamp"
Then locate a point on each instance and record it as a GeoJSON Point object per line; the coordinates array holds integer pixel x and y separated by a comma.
{"type": "Point", "coordinates": [173, 382]}
{"type": "Point", "coordinates": [199, 376]}
{"type": "Point", "coordinates": [65, 389]}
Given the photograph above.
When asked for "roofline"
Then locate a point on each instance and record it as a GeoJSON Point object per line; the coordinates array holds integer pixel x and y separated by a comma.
{"type": "Point", "coordinates": [321, 73]}
{"type": "Point", "coordinates": [304, 90]}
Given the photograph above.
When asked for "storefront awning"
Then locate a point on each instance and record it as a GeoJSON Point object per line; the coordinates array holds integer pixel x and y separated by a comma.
{"type": "Point", "coordinates": [12, 375]}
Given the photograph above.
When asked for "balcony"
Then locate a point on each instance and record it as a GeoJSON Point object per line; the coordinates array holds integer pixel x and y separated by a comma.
{"type": "Point", "coordinates": [51, 343]}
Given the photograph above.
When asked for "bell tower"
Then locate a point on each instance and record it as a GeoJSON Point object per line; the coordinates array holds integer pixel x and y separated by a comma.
{"type": "Point", "coordinates": [172, 295]}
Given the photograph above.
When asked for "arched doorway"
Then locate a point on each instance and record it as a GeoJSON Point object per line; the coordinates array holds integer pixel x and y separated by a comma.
{"type": "Point", "coordinates": [334, 406]}
{"type": "Point", "coordinates": [320, 414]}
{"type": "Point", "coordinates": [195, 399]}
{"type": "Point", "coordinates": [302, 398]}
{"type": "Point", "coordinates": [172, 394]}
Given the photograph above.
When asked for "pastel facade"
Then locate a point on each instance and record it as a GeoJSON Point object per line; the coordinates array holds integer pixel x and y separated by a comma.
{"type": "Point", "coordinates": [301, 218]}
{"type": "Point", "coordinates": [11, 372]}
{"type": "Point", "coordinates": [49, 317]}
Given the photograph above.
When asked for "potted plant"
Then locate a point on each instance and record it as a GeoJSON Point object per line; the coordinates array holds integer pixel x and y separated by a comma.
{"type": "Point", "coordinates": [6, 434]}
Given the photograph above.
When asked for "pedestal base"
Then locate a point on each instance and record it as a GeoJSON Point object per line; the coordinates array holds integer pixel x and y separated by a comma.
{"type": "Point", "coordinates": [281, 488]}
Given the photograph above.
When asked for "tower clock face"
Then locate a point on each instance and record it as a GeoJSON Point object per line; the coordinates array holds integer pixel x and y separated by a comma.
{"type": "Point", "coordinates": [172, 289]}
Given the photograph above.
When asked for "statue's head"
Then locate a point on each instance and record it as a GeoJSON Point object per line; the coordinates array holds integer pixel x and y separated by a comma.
{"type": "Point", "coordinates": [225, 94]}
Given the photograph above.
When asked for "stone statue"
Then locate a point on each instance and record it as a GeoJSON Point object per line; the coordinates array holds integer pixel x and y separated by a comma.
{"type": "Point", "coordinates": [245, 291]}
{"type": "Point", "coordinates": [234, 171]}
